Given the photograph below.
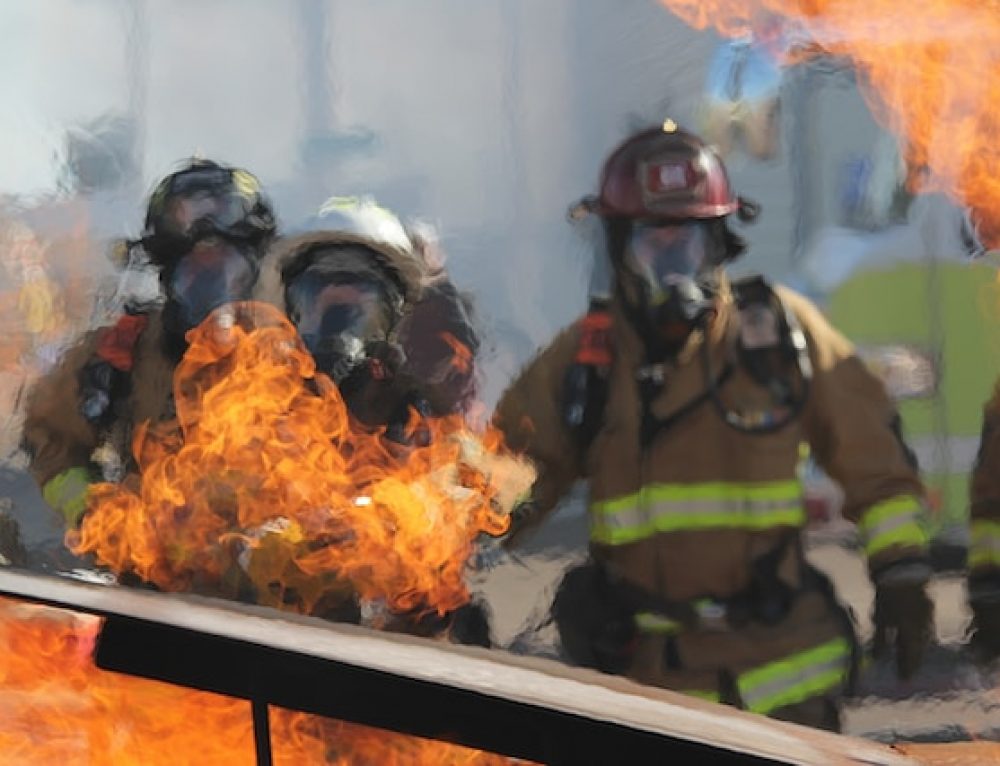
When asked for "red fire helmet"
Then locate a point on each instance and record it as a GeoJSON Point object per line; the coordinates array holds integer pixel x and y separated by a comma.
{"type": "Point", "coordinates": [664, 173]}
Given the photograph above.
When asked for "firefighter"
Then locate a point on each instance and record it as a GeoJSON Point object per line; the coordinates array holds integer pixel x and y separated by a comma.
{"type": "Point", "coordinates": [984, 543]}
{"type": "Point", "coordinates": [378, 313]}
{"type": "Point", "coordinates": [207, 227]}
{"type": "Point", "coordinates": [375, 308]}
{"type": "Point", "coordinates": [685, 400]}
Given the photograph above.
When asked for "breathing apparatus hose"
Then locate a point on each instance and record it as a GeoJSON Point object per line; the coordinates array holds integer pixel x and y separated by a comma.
{"type": "Point", "coordinates": [763, 422]}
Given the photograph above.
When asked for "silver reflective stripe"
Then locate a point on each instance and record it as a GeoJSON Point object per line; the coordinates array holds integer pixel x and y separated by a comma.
{"type": "Point", "coordinates": [625, 518]}
{"type": "Point", "coordinates": [796, 678]}
{"type": "Point", "coordinates": [802, 677]}
{"type": "Point", "coordinates": [738, 507]}
{"type": "Point", "coordinates": [893, 523]}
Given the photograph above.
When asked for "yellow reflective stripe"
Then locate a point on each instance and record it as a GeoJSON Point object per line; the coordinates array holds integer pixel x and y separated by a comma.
{"type": "Point", "coordinates": [674, 507]}
{"type": "Point", "coordinates": [897, 521]}
{"type": "Point", "coordinates": [984, 543]}
{"type": "Point", "coordinates": [67, 493]}
{"type": "Point", "coordinates": [795, 678]}
{"type": "Point", "coordinates": [708, 491]}
{"type": "Point", "coordinates": [650, 622]}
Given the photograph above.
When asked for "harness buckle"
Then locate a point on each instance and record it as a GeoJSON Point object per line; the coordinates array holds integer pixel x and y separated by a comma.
{"type": "Point", "coordinates": [712, 615]}
{"type": "Point", "coordinates": [651, 373]}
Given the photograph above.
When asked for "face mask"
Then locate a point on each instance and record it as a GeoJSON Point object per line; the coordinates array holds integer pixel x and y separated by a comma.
{"type": "Point", "coordinates": [214, 273]}
{"type": "Point", "coordinates": [669, 267]}
{"type": "Point", "coordinates": [338, 320]}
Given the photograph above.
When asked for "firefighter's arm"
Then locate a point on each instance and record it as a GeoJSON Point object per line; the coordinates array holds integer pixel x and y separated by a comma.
{"type": "Point", "coordinates": [855, 435]}
{"type": "Point", "coordinates": [984, 495]}
{"type": "Point", "coordinates": [58, 439]}
{"type": "Point", "coordinates": [984, 534]}
{"type": "Point", "coordinates": [530, 417]}
{"type": "Point", "coordinates": [854, 432]}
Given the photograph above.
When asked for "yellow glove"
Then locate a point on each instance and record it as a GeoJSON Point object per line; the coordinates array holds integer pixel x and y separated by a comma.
{"type": "Point", "coordinates": [67, 493]}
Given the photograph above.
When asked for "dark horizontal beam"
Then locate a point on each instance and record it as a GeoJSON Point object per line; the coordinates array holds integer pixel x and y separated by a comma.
{"type": "Point", "coordinates": [384, 700]}
{"type": "Point", "coordinates": [491, 700]}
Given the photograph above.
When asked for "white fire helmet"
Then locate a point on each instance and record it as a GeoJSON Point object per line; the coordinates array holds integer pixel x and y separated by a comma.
{"type": "Point", "coordinates": [363, 217]}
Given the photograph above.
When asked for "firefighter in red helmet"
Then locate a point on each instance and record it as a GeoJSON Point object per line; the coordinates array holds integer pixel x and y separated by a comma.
{"type": "Point", "coordinates": [684, 399]}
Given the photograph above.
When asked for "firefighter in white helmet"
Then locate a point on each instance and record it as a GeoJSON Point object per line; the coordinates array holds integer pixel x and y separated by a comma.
{"type": "Point", "coordinates": [373, 305]}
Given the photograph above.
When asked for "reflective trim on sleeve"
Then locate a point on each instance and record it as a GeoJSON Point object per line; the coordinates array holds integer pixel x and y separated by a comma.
{"type": "Point", "coordinates": [795, 678]}
{"type": "Point", "coordinates": [897, 521]}
{"type": "Point", "coordinates": [984, 544]}
{"type": "Point", "coordinates": [650, 622]}
{"type": "Point", "coordinates": [675, 507]}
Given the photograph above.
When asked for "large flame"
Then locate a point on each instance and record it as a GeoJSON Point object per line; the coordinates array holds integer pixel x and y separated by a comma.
{"type": "Point", "coordinates": [930, 73]}
{"type": "Point", "coordinates": [56, 706]}
{"type": "Point", "coordinates": [264, 479]}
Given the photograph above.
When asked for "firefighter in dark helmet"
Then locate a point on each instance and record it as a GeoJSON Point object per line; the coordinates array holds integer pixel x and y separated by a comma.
{"type": "Point", "coordinates": [207, 227]}
{"type": "Point", "coordinates": [685, 400]}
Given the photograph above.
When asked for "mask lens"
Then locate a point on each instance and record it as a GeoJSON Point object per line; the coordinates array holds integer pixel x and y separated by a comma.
{"type": "Point", "coordinates": [212, 274]}
{"type": "Point", "coordinates": [326, 308]}
{"type": "Point", "coordinates": [201, 211]}
{"type": "Point", "coordinates": [661, 254]}
{"type": "Point", "coordinates": [198, 179]}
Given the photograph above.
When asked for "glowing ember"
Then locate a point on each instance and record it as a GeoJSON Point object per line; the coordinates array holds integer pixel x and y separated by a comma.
{"type": "Point", "coordinates": [57, 707]}
{"type": "Point", "coordinates": [930, 71]}
{"type": "Point", "coordinates": [263, 481]}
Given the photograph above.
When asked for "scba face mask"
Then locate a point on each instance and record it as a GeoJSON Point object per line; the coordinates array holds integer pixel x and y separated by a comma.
{"type": "Point", "coordinates": [672, 269]}
{"type": "Point", "coordinates": [212, 274]}
{"type": "Point", "coordinates": [339, 318]}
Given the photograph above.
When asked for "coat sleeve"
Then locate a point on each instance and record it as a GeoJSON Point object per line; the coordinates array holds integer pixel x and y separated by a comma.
{"type": "Point", "coordinates": [854, 432]}
{"type": "Point", "coordinates": [984, 495]}
{"type": "Point", "coordinates": [530, 417]}
{"type": "Point", "coordinates": [57, 437]}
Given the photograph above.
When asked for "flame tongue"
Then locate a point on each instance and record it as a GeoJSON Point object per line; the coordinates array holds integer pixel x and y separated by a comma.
{"type": "Point", "coordinates": [264, 482]}
{"type": "Point", "coordinates": [930, 72]}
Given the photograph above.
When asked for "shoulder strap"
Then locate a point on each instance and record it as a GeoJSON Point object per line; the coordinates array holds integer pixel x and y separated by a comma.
{"type": "Point", "coordinates": [773, 351]}
{"type": "Point", "coordinates": [117, 343]}
{"type": "Point", "coordinates": [585, 385]}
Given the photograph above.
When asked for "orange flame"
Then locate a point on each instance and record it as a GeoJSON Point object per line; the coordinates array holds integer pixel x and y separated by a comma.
{"type": "Point", "coordinates": [264, 481]}
{"type": "Point", "coordinates": [930, 72]}
{"type": "Point", "coordinates": [58, 707]}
